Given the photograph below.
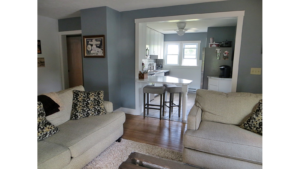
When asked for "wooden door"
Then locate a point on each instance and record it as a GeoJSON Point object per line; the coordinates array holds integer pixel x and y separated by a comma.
{"type": "Point", "coordinates": [74, 60]}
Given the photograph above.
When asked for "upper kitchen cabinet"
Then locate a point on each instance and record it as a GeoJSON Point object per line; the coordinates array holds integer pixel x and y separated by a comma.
{"type": "Point", "coordinates": [155, 42]}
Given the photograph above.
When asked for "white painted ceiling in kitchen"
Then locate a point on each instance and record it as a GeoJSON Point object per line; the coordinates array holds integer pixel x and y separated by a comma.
{"type": "Point", "coordinates": [192, 25]}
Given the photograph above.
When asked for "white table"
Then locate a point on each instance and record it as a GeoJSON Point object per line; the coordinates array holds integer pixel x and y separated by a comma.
{"type": "Point", "coordinates": [140, 83]}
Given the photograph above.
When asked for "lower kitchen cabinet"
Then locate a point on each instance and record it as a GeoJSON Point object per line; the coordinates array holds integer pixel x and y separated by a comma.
{"type": "Point", "coordinates": [219, 84]}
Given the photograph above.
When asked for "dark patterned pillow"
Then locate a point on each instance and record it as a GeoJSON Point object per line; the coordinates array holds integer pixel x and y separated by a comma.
{"type": "Point", "coordinates": [87, 104]}
{"type": "Point", "coordinates": [254, 122]}
{"type": "Point", "coordinates": [49, 105]}
{"type": "Point", "coordinates": [45, 128]}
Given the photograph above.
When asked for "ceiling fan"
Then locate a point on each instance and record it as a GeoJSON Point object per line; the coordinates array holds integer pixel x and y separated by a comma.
{"type": "Point", "coordinates": [181, 30]}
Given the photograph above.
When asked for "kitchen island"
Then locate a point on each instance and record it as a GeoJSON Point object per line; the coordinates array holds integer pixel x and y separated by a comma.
{"type": "Point", "coordinates": [140, 83]}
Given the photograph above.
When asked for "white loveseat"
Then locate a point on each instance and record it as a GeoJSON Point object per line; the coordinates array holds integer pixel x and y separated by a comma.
{"type": "Point", "coordinates": [214, 139]}
{"type": "Point", "coordinates": [78, 141]}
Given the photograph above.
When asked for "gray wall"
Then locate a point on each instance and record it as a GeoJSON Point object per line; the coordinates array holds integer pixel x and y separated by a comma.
{"type": "Point", "coordinates": [49, 77]}
{"type": "Point", "coordinates": [92, 23]}
{"type": "Point", "coordinates": [69, 24]}
{"type": "Point", "coordinates": [221, 34]}
{"type": "Point", "coordinates": [189, 37]}
{"type": "Point", "coordinates": [95, 70]}
{"type": "Point", "coordinates": [103, 73]}
{"type": "Point", "coordinates": [250, 47]}
{"type": "Point", "coordinates": [113, 19]}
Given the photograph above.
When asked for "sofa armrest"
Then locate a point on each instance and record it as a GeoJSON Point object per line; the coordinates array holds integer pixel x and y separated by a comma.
{"type": "Point", "coordinates": [108, 106]}
{"type": "Point", "coordinates": [194, 118]}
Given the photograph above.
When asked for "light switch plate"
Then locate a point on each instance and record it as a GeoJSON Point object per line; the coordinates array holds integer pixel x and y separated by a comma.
{"type": "Point", "coordinates": [255, 71]}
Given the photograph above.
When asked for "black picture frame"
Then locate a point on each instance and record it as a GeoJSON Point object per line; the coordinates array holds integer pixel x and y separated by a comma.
{"type": "Point", "coordinates": [39, 48]}
{"type": "Point", "coordinates": [94, 46]}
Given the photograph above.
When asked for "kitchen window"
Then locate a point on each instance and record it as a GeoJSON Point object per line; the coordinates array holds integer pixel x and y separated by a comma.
{"type": "Point", "coordinates": [182, 53]}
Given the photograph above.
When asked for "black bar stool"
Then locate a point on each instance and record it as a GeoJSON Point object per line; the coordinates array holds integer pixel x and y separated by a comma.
{"type": "Point", "coordinates": [154, 90]}
{"type": "Point", "coordinates": [173, 89]}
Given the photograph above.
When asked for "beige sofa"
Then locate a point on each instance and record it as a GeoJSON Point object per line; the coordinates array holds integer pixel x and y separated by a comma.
{"type": "Point", "coordinates": [78, 141]}
{"type": "Point", "coordinates": [214, 139]}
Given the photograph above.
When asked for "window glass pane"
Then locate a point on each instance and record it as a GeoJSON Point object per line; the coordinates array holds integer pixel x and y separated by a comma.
{"type": "Point", "coordinates": [173, 49]}
{"type": "Point", "coordinates": [189, 62]}
{"type": "Point", "coordinates": [190, 46]}
{"type": "Point", "coordinates": [172, 59]}
{"type": "Point", "coordinates": [189, 53]}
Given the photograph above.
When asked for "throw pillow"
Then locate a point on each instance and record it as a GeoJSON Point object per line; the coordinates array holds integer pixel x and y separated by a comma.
{"type": "Point", "coordinates": [87, 104]}
{"type": "Point", "coordinates": [54, 96]}
{"type": "Point", "coordinates": [254, 122]}
{"type": "Point", "coordinates": [45, 128]}
{"type": "Point", "coordinates": [49, 105]}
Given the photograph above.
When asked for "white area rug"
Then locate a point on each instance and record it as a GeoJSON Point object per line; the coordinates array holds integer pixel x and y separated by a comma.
{"type": "Point", "coordinates": [114, 155]}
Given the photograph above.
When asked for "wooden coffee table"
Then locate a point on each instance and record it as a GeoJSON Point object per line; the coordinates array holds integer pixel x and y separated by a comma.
{"type": "Point", "coordinates": [142, 161]}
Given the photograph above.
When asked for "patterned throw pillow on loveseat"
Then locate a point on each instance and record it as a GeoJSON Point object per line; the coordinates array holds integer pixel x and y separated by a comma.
{"type": "Point", "coordinates": [87, 104]}
{"type": "Point", "coordinates": [45, 128]}
{"type": "Point", "coordinates": [254, 122]}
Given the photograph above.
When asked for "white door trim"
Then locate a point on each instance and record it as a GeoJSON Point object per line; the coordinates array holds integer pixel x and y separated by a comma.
{"type": "Point", "coordinates": [238, 39]}
{"type": "Point", "coordinates": [61, 53]}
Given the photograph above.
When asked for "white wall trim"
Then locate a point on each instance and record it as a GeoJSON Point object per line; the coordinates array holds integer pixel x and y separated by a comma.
{"type": "Point", "coordinates": [61, 54]}
{"type": "Point", "coordinates": [128, 111]}
{"type": "Point", "coordinates": [238, 14]}
{"type": "Point", "coordinates": [193, 16]}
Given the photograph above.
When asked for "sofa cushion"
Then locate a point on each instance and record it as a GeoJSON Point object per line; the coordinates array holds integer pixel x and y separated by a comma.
{"type": "Point", "coordinates": [254, 122]}
{"type": "Point", "coordinates": [80, 135]}
{"type": "Point", "coordinates": [66, 97]}
{"type": "Point", "coordinates": [225, 140]}
{"type": "Point", "coordinates": [230, 108]}
{"type": "Point", "coordinates": [51, 155]}
{"type": "Point", "coordinates": [87, 104]}
{"type": "Point", "coordinates": [44, 127]}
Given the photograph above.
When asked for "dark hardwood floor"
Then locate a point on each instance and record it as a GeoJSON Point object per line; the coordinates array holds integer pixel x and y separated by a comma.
{"type": "Point", "coordinates": [162, 133]}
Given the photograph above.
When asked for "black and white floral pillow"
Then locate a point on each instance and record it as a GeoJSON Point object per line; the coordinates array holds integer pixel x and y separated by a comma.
{"type": "Point", "coordinates": [45, 128]}
{"type": "Point", "coordinates": [87, 104]}
{"type": "Point", "coordinates": [254, 122]}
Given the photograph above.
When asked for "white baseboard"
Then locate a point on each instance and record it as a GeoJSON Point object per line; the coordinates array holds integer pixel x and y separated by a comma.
{"type": "Point", "coordinates": [129, 111]}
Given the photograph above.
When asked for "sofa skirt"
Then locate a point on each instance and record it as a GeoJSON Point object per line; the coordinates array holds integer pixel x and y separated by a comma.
{"type": "Point", "coordinates": [208, 161]}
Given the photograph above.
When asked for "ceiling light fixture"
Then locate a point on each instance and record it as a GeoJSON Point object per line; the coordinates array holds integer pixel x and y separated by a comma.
{"type": "Point", "coordinates": [181, 30]}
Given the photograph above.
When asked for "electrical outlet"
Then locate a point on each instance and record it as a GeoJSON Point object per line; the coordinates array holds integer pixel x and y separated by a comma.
{"type": "Point", "coordinates": [255, 71]}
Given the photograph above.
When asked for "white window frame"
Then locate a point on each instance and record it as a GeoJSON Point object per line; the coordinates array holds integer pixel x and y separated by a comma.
{"type": "Point", "coordinates": [181, 54]}
{"type": "Point", "coordinates": [166, 53]}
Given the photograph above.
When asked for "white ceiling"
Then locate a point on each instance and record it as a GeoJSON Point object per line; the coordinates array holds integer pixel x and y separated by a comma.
{"type": "Point", "coordinates": [59, 9]}
{"type": "Point", "coordinates": [170, 27]}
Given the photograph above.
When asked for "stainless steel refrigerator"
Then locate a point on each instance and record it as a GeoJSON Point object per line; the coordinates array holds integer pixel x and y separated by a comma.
{"type": "Point", "coordinates": [212, 59]}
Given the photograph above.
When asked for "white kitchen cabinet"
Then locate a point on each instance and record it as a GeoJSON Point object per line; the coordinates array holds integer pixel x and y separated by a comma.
{"type": "Point", "coordinates": [155, 41]}
{"type": "Point", "coordinates": [219, 84]}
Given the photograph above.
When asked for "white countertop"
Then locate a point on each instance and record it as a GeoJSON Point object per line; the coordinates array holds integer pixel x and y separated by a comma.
{"type": "Point", "coordinates": [216, 77]}
{"type": "Point", "coordinates": [164, 79]}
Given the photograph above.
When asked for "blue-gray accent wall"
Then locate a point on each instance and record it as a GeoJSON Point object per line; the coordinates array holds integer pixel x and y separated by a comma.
{"type": "Point", "coordinates": [103, 73]}
{"type": "Point", "coordinates": [221, 34]}
{"type": "Point", "coordinates": [69, 24]}
{"type": "Point", "coordinates": [96, 70]}
{"type": "Point", "coordinates": [189, 37]}
{"type": "Point", "coordinates": [113, 19]}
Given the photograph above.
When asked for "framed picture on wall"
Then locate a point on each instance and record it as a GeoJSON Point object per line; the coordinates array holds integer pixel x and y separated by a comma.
{"type": "Point", "coordinates": [41, 62]}
{"type": "Point", "coordinates": [39, 48]}
{"type": "Point", "coordinates": [94, 46]}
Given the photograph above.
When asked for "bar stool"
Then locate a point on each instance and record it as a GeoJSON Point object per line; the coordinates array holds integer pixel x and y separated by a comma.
{"type": "Point", "coordinates": [154, 90]}
{"type": "Point", "coordinates": [173, 89]}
